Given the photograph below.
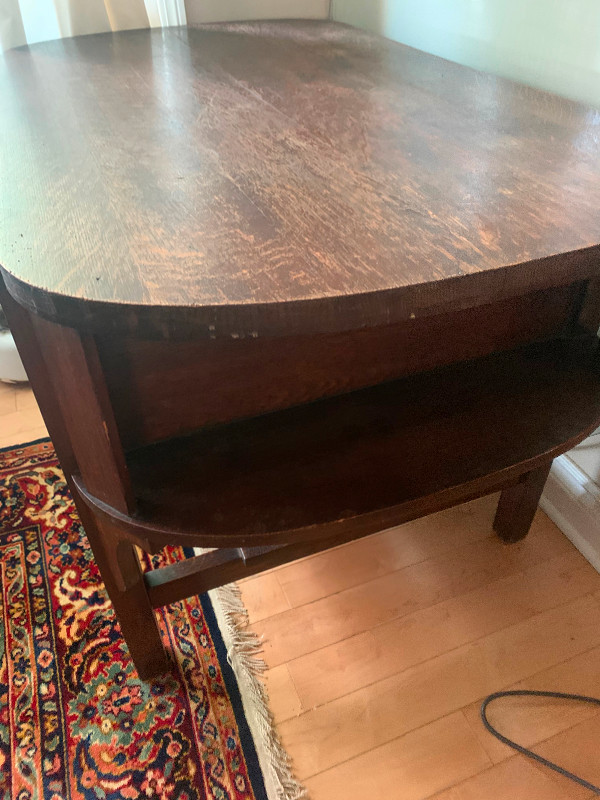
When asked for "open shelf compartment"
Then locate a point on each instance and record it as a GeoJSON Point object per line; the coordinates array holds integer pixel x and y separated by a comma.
{"type": "Point", "coordinates": [382, 455]}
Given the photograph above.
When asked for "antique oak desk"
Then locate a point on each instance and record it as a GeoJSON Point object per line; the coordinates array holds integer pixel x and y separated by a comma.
{"type": "Point", "coordinates": [279, 286]}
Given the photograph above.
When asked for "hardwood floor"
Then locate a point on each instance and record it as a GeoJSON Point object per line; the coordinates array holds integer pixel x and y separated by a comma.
{"type": "Point", "coordinates": [379, 654]}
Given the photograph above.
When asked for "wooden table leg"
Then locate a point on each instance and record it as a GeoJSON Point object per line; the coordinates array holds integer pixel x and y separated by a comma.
{"type": "Point", "coordinates": [116, 559]}
{"type": "Point", "coordinates": [124, 581]}
{"type": "Point", "coordinates": [517, 505]}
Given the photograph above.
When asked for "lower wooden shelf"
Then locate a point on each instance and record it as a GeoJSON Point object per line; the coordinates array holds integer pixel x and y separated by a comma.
{"type": "Point", "coordinates": [370, 459]}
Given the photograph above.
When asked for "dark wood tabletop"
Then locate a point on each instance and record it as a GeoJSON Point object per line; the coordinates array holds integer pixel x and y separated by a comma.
{"type": "Point", "coordinates": [397, 258]}
{"type": "Point", "coordinates": [268, 178]}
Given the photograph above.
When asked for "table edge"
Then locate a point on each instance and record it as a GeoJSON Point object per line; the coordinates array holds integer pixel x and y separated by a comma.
{"type": "Point", "coordinates": [330, 314]}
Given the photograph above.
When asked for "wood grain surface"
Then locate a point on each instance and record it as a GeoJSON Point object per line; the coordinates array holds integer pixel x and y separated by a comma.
{"type": "Point", "coordinates": [267, 178]}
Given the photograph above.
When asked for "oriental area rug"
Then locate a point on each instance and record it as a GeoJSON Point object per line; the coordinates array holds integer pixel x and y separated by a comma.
{"type": "Point", "coordinates": [75, 720]}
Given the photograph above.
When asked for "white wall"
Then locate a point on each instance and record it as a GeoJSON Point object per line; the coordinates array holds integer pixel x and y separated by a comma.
{"type": "Point", "coordinates": [550, 44]}
{"type": "Point", "coordinates": [228, 10]}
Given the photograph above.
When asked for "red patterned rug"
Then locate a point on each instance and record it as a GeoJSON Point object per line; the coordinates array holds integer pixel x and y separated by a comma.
{"type": "Point", "coordinates": [75, 720]}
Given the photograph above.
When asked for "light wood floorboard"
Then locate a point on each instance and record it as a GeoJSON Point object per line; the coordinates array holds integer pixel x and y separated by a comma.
{"type": "Point", "coordinates": [390, 644]}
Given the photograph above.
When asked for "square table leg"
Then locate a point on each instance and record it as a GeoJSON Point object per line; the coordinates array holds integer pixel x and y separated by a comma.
{"type": "Point", "coordinates": [518, 504]}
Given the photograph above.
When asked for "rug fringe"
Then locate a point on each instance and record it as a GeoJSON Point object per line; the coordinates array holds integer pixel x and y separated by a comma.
{"type": "Point", "coordinates": [243, 654]}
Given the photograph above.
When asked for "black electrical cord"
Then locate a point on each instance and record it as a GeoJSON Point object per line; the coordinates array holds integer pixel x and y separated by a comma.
{"type": "Point", "coordinates": [529, 753]}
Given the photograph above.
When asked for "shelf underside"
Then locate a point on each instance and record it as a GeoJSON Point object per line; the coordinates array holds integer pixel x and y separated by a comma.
{"type": "Point", "coordinates": [307, 471]}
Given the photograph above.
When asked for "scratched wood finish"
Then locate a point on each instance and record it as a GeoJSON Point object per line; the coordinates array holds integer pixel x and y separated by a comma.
{"type": "Point", "coordinates": [168, 388]}
{"type": "Point", "coordinates": [379, 211]}
{"type": "Point", "coordinates": [268, 178]}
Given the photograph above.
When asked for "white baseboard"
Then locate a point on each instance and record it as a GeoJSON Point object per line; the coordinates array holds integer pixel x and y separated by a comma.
{"type": "Point", "coordinates": [572, 501]}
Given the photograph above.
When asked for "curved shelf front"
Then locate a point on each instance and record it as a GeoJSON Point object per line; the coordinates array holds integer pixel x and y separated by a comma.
{"type": "Point", "coordinates": [371, 459]}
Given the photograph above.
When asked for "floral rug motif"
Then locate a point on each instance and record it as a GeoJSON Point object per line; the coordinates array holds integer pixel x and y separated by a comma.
{"type": "Point", "coordinates": [75, 720]}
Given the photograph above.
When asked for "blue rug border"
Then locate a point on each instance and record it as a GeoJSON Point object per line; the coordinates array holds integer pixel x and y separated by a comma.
{"type": "Point", "coordinates": [233, 689]}
{"type": "Point", "coordinates": [20, 445]}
